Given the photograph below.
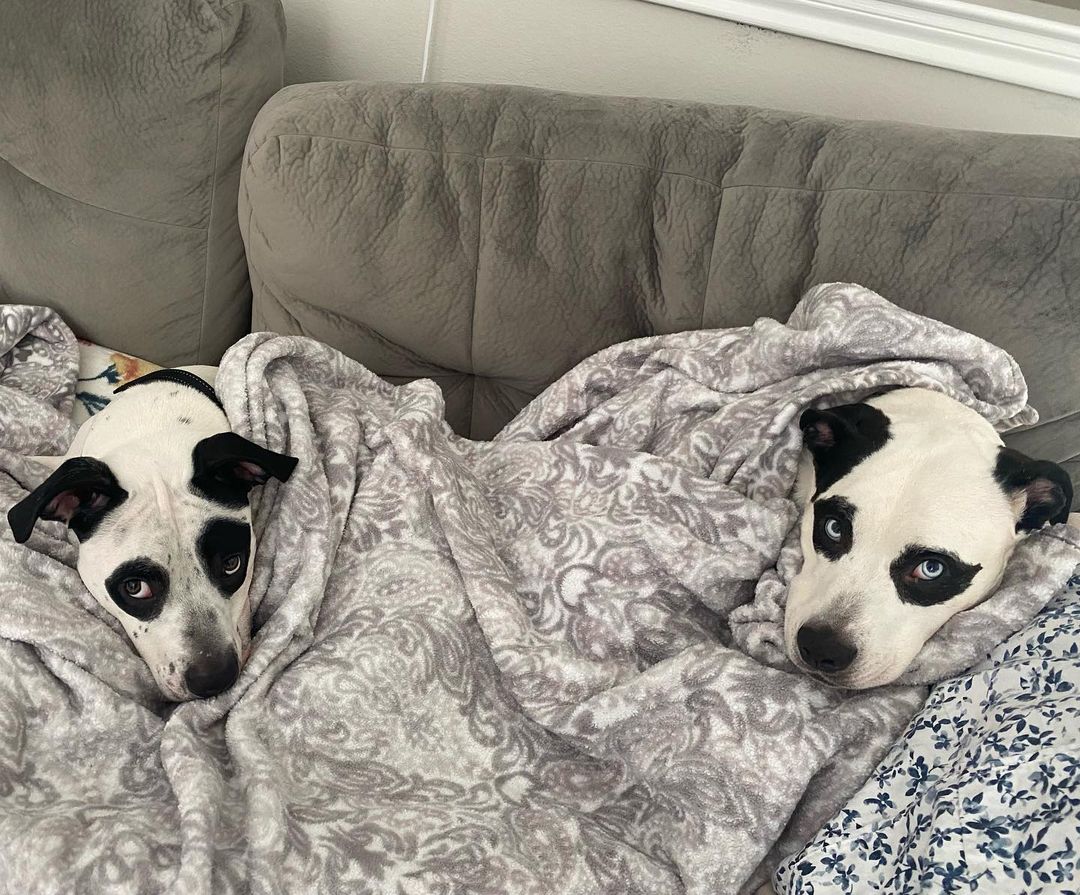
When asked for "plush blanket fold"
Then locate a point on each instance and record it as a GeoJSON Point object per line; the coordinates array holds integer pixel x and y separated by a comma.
{"type": "Point", "coordinates": [548, 664]}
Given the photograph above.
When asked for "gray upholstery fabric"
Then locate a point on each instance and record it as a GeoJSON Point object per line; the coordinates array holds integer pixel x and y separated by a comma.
{"type": "Point", "coordinates": [490, 237]}
{"type": "Point", "coordinates": [122, 126]}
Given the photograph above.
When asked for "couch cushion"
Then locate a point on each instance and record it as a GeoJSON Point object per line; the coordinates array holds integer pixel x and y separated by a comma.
{"type": "Point", "coordinates": [490, 237]}
{"type": "Point", "coordinates": [121, 130]}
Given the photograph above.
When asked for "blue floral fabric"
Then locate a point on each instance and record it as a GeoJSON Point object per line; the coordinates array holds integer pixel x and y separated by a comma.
{"type": "Point", "coordinates": [982, 793]}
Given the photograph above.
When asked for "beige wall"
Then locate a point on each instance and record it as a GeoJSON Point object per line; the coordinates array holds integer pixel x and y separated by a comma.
{"type": "Point", "coordinates": [637, 48]}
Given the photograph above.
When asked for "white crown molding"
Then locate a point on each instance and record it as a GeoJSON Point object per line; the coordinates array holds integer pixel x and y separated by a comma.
{"type": "Point", "coordinates": [979, 40]}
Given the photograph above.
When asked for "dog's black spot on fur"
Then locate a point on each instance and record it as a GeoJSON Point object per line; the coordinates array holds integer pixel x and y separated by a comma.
{"type": "Point", "coordinates": [1045, 486]}
{"type": "Point", "coordinates": [172, 668]}
{"type": "Point", "coordinates": [140, 569]}
{"type": "Point", "coordinates": [81, 492]}
{"type": "Point", "coordinates": [840, 438]}
{"type": "Point", "coordinates": [221, 543]}
{"type": "Point", "coordinates": [833, 515]}
{"type": "Point", "coordinates": [955, 578]}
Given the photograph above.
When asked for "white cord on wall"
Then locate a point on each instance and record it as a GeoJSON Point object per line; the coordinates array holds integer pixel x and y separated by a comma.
{"type": "Point", "coordinates": [427, 40]}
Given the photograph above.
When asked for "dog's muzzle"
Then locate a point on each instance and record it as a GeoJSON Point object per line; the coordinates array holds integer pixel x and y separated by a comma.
{"type": "Point", "coordinates": [823, 649]}
{"type": "Point", "coordinates": [210, 677]}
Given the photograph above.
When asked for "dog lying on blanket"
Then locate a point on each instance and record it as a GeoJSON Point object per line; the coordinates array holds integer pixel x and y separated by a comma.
{"type": "Point", "coordinates": [155, 487]}
{"type": "Point", "coordinates": [913, 507]}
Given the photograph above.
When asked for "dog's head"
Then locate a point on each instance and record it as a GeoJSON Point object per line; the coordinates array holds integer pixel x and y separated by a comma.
{"type": "Point", "coordinates": [912, 509]}
{"type": "Point", "coordinates": [166, 550]}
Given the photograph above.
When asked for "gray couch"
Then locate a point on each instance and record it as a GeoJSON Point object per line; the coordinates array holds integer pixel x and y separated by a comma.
{"type": "Point", "coordinates": [490, 237]}
{"type": "Point", "coordinates": [122, 125]}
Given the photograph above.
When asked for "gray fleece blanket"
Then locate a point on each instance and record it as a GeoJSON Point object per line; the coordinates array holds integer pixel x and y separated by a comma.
{"type": "Point", "coordinates": [548, 664]}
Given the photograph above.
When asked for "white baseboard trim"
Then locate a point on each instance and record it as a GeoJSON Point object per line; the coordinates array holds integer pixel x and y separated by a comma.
{"type": "Point", "coordinates": [979, 40]}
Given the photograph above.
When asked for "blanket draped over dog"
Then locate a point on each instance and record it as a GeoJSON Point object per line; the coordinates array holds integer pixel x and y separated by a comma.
{"type": "Point", "coordinates": [552, 663]}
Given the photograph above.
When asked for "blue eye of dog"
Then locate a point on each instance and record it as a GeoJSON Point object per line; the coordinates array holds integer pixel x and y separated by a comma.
{"type": "Point", "coordinates": [833, 529]}
{"type": "Point", "coordinates": [928, 570]}
{"type": "Point", "coordinates": [926, 577]}
{"type": "Point", "coordinates": [834, 519]}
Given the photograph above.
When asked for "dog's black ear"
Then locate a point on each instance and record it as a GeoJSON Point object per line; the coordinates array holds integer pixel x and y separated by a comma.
{"type": "Point", "coordinates": [79, 493]}
{"type": "Point", "coordinates": [228, 466]}
{"type": "Point", "coordinates": [821, 429]}
{"type": "Point", "coordinates": [842, 437]}
{"type": "Point", "coordinates": [1041, 491]}
{"type": "Point", "coordinates": [827, 429]}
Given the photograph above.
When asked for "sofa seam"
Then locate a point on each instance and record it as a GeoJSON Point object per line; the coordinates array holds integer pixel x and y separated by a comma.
{"type": "Point", "coordinates": [475, 292]}
{"type": "Point", "coordinates": [437, 370]}
{"type": "Point", "coordinates": [344, 320]}
{"type": "Point", "coordinates": [667, 172]}
{"type": "Point", "coordinates": [716, 223]}
{"type": "Point", "coordinates": [712, 254]}
{"type": "Point", "coordinates": [288, 313]}
{"type": "Point", "coordinates": [213, 187]}
{"type": "Point", "coordinates": [123, 214]}
{"type": "Point", "coordinates": [1049, 421]}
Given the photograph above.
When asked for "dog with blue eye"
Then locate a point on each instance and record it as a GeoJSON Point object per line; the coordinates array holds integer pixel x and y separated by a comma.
{"type": "Point", "coordinates": [912, 508]}
{"type": "Point", "coordinates": [155, 488]}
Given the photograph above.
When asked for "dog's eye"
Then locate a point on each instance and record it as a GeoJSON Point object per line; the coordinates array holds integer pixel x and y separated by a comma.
{"type": "Point", "coordinates": [928, 570]}
{"type": "Point", "coordinates": [233, 564]}
{"type": "Point", "coordinates": [834, 531]}
{"type": "Point", "coordinates": [137, 589]}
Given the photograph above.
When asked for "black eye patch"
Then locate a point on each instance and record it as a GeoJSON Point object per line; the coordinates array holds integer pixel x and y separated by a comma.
{"type": "Point", "coordinates": [833, 519]}
{"type": "Point", "coordinates": [953, 578]}
{"type": "Point", "coordinates": [120, 585]}
{"type": "Point", "coordinates": [223, 551]}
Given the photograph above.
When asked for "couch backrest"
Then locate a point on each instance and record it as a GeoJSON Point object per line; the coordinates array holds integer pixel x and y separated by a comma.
{"type": "Point", "coordinates": [490, 237]}
{"type": "Point", "coordinates": [122, 126]}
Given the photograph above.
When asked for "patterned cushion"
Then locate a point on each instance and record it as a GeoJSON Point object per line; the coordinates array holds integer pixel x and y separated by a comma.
{"type": "Point", "coordinates": [101, 370]}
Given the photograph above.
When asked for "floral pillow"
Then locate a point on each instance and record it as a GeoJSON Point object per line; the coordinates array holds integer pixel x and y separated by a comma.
{"type": "Point", "coordinates": [981, 794]}
{"type": "Point", "coordinates": [101, 370]}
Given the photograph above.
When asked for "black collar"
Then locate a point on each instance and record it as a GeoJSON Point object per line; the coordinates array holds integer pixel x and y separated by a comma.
{"type": "Point", "coordinates": [180, 377]}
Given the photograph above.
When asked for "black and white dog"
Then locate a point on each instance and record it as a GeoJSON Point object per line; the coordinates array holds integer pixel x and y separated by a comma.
{"type": "Point", "coordinates": [912, 509]}
{"type": "Point", "coordinates": [155, 487]}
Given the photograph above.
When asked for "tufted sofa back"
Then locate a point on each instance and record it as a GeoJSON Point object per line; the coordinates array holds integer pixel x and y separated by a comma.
{"type": "Point", "coordinates": [490, 237]}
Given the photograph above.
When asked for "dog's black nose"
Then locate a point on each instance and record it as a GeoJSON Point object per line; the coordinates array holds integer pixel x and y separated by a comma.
{"type": "Point", "coordinates": [212, 676]}
{"type": "Point", "coordinates": [824, 650]}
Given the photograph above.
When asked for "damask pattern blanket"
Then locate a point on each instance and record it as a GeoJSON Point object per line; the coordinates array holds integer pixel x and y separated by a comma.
{"type": "Point", "coordinates": [551, 663]}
